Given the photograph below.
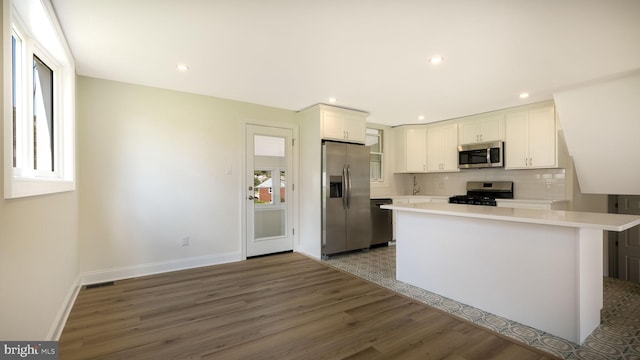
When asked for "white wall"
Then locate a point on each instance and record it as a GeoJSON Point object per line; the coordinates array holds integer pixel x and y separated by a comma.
{"type": "Point", "coordinates": [38, 259]}
{"type": "Point", "coordinates": [38, 264]}
{"type": "Point", "coordinates": [601, 122]}
{"type": "Point", "coordinates": [156, 166]}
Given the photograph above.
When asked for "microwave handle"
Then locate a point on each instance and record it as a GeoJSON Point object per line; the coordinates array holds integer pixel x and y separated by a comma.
{"type": "Point", "coordinates": [489, 155]}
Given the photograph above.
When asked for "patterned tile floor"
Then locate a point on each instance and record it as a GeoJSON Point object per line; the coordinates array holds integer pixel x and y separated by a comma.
{"type": "Point", "coordinates": [617, 337]}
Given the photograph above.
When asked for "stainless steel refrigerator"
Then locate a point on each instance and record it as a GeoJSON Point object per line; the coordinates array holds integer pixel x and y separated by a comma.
{"type": "Point", "coordinates": [346, 219]}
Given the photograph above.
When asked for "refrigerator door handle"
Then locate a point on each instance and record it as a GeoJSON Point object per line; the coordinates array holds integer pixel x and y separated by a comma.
{"type": "Point", "coordinates": [348, 187]}
{"type": "Point", "coordinates": [345, 187]}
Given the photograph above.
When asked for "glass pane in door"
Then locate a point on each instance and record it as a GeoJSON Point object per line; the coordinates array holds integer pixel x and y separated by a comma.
{"type": "Point", "coordinates": [263, 182]}
{"type": "Point", "coordinates": [270, 212]}
{"type": "Point", "coordinates": [283, 188]}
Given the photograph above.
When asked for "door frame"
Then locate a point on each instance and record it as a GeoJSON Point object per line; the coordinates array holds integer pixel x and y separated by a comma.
{"type": "Point", "coordinates": [294, 176]}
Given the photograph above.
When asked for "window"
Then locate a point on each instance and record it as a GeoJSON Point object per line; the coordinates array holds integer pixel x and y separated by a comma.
{"type": "Point", "coordinates": [374, 142]}
{"type": "Point", "coordinates": [43, 139]}
{"type": "Point", "coordinates": [40, 148]}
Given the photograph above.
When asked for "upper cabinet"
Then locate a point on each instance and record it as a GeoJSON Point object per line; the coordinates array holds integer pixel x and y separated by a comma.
{"type": "Point", "coordinates": [442, 148]}
{"type": "Point", "coordinates": [343, 125]}
{"type": "Point", "coordinates": [530, 135]}
{"type": "Point", "coordinates": [531, 138]}
{"type": "Point", "coordinates": [481, 128]}
{"type": "Point", "coordinates": [412, 149]}
{"type": "Point", "coordinates": [424, 148]}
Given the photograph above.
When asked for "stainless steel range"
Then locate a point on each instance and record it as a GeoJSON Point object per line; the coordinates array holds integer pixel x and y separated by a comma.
{"type": "Point", "coordinates": [484, 193]}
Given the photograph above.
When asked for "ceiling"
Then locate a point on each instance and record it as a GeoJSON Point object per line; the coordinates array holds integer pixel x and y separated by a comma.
{"type": "Point", "coordinates": [369, 55]}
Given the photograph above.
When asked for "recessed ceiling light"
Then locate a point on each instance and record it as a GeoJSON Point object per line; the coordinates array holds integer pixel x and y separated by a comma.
{"type": "Point", "coordinates": [435, 60]}
{"type": "Point", "coordinates": [421, 117]}
{"type": "Point", "coordinates": [332, 99]}
{"type": "Point", "coordinates": [182, 67]}
{"type": "Point", "coordinates": [524, 95]}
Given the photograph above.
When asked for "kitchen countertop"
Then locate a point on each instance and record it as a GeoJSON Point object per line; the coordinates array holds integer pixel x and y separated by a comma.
{"type": "Point", "coordinates": [427, 197]}
{"type": "Point", "coordinates": [603, 221]}
{"type": "Point", "coordinates": [534, 201]}
{"type": "Point", "coordinates": [446, 197]}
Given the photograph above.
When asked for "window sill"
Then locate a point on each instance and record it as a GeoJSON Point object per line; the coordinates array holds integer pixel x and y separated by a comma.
{"type": "Point", "coordinates": [24, 187]}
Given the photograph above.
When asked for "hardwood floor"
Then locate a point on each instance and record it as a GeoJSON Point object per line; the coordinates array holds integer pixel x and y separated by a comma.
{"type": "Point", "coordinates": [284, 306]}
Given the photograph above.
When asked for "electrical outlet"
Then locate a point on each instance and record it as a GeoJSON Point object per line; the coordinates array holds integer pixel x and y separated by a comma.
{"type": "Point", "coordinates": [185, 241]}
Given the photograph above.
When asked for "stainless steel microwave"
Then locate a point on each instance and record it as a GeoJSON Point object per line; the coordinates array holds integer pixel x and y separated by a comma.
{"type": "Point", "coordinates": [481, 155]}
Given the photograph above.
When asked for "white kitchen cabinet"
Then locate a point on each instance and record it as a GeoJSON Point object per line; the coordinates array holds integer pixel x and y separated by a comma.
{"type": "Point", "coordinates": [442, 148]}
{"type": "Point", "coordinates": [343, 125]}
{"type": "Point", "coordinates": [531, 138]}
{"type": "Point", "coordinates": [482, 128]}
{"type": "Point", "coordinates": [411, 150]}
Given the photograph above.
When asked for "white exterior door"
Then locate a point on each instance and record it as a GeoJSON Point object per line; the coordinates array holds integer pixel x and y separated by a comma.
{"type": "Point", "coordinates": [269, 212]}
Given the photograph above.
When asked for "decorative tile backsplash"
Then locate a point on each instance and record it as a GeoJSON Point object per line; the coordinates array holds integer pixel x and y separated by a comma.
{"type": "Point", "coordinates": [542, 184]}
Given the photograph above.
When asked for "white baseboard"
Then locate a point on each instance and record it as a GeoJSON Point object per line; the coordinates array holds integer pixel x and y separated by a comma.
{"type": "Point", "coordinates": [126, 272]}
{"type": "Point", "coordinates": [63, 313]}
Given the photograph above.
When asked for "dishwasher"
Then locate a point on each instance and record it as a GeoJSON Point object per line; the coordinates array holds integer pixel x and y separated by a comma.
{"type": "Point", "coordinates": [381, 223]}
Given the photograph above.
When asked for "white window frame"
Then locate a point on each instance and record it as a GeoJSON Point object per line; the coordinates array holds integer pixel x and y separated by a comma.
{"type": "Point", "coordinates": [380, 136]}
{"type": "Point", "coordinates": [41, 35]}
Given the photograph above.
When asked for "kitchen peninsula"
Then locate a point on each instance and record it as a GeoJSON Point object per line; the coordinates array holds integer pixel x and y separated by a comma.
{"type": "Point", "coordinates": [542, 268]}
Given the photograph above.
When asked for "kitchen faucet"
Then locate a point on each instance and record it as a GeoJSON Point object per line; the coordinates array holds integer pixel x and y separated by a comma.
{"type": "Point", "coordinates": [416, 189]}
